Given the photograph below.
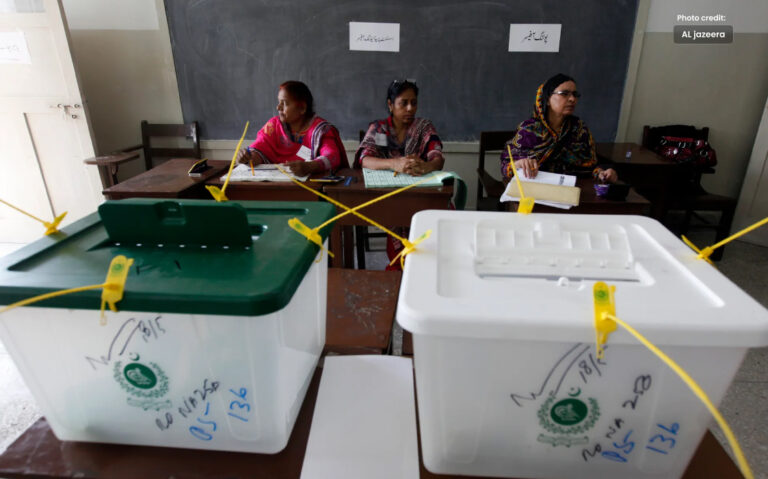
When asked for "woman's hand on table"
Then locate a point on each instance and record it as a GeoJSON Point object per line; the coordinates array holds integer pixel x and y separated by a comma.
{"type": "Point", "coordinates": [529, 167]}
{"type": "Point", "coordinates": [607, 176]}
{"type": "Point", "coordinates": [247, 155]}
{"type": "Point", "coordinates": [304, 168]}
{"type": "Point", "coordinates": [415, 166]}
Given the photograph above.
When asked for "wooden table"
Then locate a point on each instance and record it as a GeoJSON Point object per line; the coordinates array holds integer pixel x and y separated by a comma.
{"type": "Point", "coordinates": [268, 190]}
{"type": "Point", "coordinates": [591, 204]}
{"type": "Point", "coordinates": [644, 169]}
{"type": "Point", "coordinates": [169, 180]}
{"type": "Point", "coordinates": [360, 310]}
{"type": "Point", "coordinates": [392, 212]}
{"type": "Point", "coordinates": [38, 454]}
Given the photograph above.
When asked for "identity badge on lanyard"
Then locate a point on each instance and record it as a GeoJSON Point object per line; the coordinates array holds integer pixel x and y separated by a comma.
{"type": "Point", "coordinates": [304, 153]}
{"type": "Point", "coordinates": [380, 139]}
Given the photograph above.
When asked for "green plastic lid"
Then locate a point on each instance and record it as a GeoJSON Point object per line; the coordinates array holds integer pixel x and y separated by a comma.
{"type": "Point", "coordinates": [190, 256]}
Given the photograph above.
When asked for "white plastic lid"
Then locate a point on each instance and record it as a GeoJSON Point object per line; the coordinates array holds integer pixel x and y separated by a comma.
{"type": "Point", "coordinates": [530, 277]}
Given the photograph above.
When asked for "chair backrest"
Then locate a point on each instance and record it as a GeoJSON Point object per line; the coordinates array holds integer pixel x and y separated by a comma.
{"type": "Point", "coordinates": [490, 141]}
{"type": "Point", "coordinates": [362, 135]}
{"type": "Point", "coordinates": [178, 131]}
{"type": "Point", "coordinates": [652, 134]}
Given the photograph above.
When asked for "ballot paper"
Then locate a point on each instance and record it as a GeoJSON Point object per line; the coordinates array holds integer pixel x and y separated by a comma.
{"type": "Point", "coordinates": [242, 172]}
{"type": "Point", "coordinates": [364, 424]}
{"type": "Point", "coordinates": [547, 178]}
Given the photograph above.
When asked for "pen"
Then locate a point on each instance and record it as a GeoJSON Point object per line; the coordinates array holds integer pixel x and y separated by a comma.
{"type": "Point", "coordinates": [253, 173]}
{"type": "Point", "coordinates": [348, 181]}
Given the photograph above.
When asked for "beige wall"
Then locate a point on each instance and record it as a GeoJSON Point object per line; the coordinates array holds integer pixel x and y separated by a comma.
{"type": "Point", "coordinates": [127, 74]}
{"type": "Point", "coordinates": [720, 86]}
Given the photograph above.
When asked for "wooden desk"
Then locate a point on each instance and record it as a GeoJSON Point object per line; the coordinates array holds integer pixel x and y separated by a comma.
{"type": "Point", "coordinates": [392, 212]}
{"type": "Point", "coordinates": [591, 204]}
{"type": "Point", "coordinates": [267, 190]}
{"type": "Point", "coordinates": [644, 170]}
{"type": "Point", "coordinates": [169, 180]}
{"type": "Point", "coordinates": [37, 454]}
{"type": "Point", "coordinates": [360, 310]}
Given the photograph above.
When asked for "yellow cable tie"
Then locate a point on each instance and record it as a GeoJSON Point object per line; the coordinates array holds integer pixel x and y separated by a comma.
{"type": "Point", "coordinates": [50, 226]}
{"type": "Point", "coordinates": [215, 191]}
{"type": "Point", "coordinates": [605, 305]}
{"type": "Point", "coordinates": [698, 391]}
{"type": "Point", "coordinates": [525, 205]}
{"type": "Point", "coordinates": [114, 285]}
{"type": "Point", "coordinates": [352, 210]}
{"type": "Point", "coordinates": [702, 253]}
{"type": "Point", "coordinates": [45, 296]}
{"type": "Point", "coordinates": [409, 248]}
{"type": "Point", "coordinates": [312, 234]}
{"type": "Point", "coordinates": [605, 323]}
{"type": "Point", "coordinates": [705, 253]}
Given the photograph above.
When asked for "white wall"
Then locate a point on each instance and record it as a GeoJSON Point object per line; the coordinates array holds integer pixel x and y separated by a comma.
{"type": "Point", "coordinates": [746, 16]}
{"type": "Point", "coordinates": [720, 86]}
{"type": "Point", "coordinates": [122, 51]}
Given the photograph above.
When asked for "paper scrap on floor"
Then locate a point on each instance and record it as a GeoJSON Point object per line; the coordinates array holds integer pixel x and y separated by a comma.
{"type": "Point", "coordinates": [242, 172]}
{"type": "Point", "coordinates": [364, 424]}
{"type": "Point", "coordinates": [547, 179]}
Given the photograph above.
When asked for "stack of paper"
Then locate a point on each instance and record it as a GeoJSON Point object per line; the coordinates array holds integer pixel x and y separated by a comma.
{"type": "Point", "coordinates": [550, 189]}
{"type": "Point", "coordinates": [243, 172]}
{"type": "Point", "coordinates": [387, 178]}
{"type": "Point", "coordinates": [364, 425]}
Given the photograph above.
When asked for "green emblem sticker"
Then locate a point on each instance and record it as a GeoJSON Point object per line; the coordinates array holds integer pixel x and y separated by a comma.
{"type": "Point", "coordinates": [147, 381]}
{"type": "Point", "coordinates": [567, 419]}
{"type": "Point", "coordinates": [140, 376]}
{"type": "Point", "coordinates": [117, 267]}
{"type": "Point", "coordinates": [568, 412]}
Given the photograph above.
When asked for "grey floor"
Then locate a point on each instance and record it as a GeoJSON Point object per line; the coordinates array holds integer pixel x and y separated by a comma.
{"type": "Point", "coordinates": [745, 406]}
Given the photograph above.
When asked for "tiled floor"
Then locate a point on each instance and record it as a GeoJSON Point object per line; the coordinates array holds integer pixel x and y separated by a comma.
{"type": "Point", "coordinates": [745, 406]}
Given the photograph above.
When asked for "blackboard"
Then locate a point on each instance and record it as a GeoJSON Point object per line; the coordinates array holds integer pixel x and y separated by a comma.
{"type": "Point", "coordinates": [231, 55]}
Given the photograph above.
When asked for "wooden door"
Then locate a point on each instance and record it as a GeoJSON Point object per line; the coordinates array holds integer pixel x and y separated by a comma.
{"type": "Point", "coordinates": [44, 130]}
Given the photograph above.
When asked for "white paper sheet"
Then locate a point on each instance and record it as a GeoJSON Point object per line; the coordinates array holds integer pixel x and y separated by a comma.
{"type": "Point", "coordinates": [547, 178]}
{"type": "Point", "coordinates": [13, 48]}
{"type": "Point", "coordinates": [364, 425]}
{"type": "Point", "coordinates": [374, 37]}
{"type": "Point", "coordinates": [535, 37]}
{"type": "Point", "coordinates": [243, 172]}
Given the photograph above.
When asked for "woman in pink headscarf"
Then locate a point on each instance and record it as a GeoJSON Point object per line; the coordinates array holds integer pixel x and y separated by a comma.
{"type": "Point", "coordinates": [296, 137]}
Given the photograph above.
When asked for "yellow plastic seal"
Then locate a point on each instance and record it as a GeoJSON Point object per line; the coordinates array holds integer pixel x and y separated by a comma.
{"type": "Point", "coordinates": [114, 285]}
{"type": "Point", "coordinates": [606, 322]}
{"type": "Point", "coordinates": [525, 205]}
{"type": "Point", "coordinates": [355, 212]}
{"type": "Point", "coordinates": [50, 226]}
{"type": "Point", "coordinates": [605, 305]}
{"type": "Point", "coordinates": [215, 191]}
{"type": "Point", "coordinates": [312, 235]}
{"type": "Point", "coordinates": [705, 253]}
{"type": "Point", "coordinates": [409, 247]}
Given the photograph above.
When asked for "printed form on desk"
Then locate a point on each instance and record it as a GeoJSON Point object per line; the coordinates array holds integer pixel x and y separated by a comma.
{"type": "Point", "coordinates": [243, 172]}
{"type": "Point", "coordinates": [387, 178]}
{"type": "Point", "coordinates": [364, 424]}
{"type": "Point", "coordinates": [564, 196]}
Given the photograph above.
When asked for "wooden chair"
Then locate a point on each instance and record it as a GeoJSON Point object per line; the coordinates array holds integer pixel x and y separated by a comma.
{"type": "Point", "coordinates": [362, 235]}
{"type": "Point", "coordinates": [490, 141]}
{"type": "Point", "coordinates": [689, 195]}
{"type": "Point", "coordinates": [109, 164]}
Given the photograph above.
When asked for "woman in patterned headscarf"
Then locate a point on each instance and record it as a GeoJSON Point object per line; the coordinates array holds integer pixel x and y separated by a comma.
{"type": "Point", "coordinates": [554, 140]}
{"type": "Point", "coordinates": [402, 142]}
